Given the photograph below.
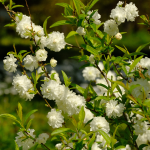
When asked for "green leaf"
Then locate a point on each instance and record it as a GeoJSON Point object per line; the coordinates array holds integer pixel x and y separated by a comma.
{"type": "Point", "coordinates": [77, 6]}
{"type": "Point", "coordinates": [82, 114]}
{"type": "Point", "coordinates": [105, 136]}
{"type": "Point", "coordinates": [16, 146]}
{"type": "Point", "coordinates": [10, 117]}
{"type": "Point", "coordinates": [120, 147]}
{"type": "Point", "coordinates": [29, 114]}
{"type": "Point", "coordinates": [10, 4]}
{"type": "Point", "coordinates": [141, 47]}
{"type": "Point", "coordinates": [45, 25]}
{"type": "Point", "coordinates": [19, 111]}
{"type": "Point", "coordinates": [58, 23]}
{"type": "Point", "coordinates": [92, 4]}
{"type": "Point", "coordinates": [66, 79]}
{"type": "Point", "coordinates": [114, 136]}
{"type": "Point", "coordinates": [121, 84]}
{"type": "Point", "coordinates": [79, 145]}
{"type": "Point", "coordinates": [122, 49]}
{"type": "Point", "coordinates": [89, 49]}
{"type": "Point", "coordinates": [10, 25]}
{"type": "Point", "coordinates": [22, 51]}
{"type": "Point", "coordinates": [62, 4]}
{"type": "Point", "coordinates": [71, 34]}
{"type": "Point", "coordinates": [135, 63]}
{"type": "Point", "coordinates": [16, 6]}
{"type": "Point", "coordinates": [79, 88]}
{"type": "Point", "coordinates": [91, 141]}
{"type": "Point", "coordinates": [34, 79]}
{"type": "Point", "coordinates": [29, 124]}
{"type": "Point", "coordinates": [147, 102]}
{"type": "Point", "coordinates": [61, 130]}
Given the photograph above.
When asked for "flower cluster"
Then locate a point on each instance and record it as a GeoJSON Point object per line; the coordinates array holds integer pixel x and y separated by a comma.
{"type": "Point", "coordinates": [118, 15]}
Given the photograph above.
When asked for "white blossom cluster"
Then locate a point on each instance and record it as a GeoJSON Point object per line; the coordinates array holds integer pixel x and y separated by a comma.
{"type": "Point", "coordinates": [54, 41]}
{"type": "Point", "coordinates": [25, 140]}
{"type": "Point", "coordinates": [96, 16]}
{"type": "Point", "coordinates": [118, 15]}
{"type": "Point", "coordinates": [66, 100]}
{"type": "Point", "coordinates": [91, 73]}
{"type": "Point", "coordinates": [9, 63]}
{"type": "Point", "coordinates": [142, 90]}
{"type": "Point", "coordinates": [25, 27]}
{"type": "Point", "coordinates": [23, 86]}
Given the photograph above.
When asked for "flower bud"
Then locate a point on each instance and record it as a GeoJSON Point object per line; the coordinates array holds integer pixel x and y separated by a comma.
{"type": "Point", "coordinates": [91, 59]}
{"type": "Point", "coordinates": [118, 36]}
{"type": "Point", "coordinates": [80, 31]}
{"type": "Point", "coordinates": [53, 62]}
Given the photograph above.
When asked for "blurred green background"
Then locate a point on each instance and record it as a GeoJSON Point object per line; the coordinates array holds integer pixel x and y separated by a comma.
{"type": "Point", "coordinates": [40, 9]}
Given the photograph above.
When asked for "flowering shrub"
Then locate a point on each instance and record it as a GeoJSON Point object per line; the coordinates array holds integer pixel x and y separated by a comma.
{"type": "Point", "coordinates": [113, 111]}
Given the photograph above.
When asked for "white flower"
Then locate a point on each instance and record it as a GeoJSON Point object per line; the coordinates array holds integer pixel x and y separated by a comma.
{"type": "Point", "coordinates": [101, 88]}
{"type": "Point", "coordinates": [91, 59]}
{"type": "Point", "coordinates": [99, 123]}
{"type": "Point", "coordinates": [41, 55]}
{"type": "Point", "coordinates": [42, 138]}
{"type": "Point", "coordinates": [90, 73]}
{"type": "Point", "coordinates": [53, 62]}
{"type": "Point", "coordinates": [55, 118]}
{"type": "Point", "coordinates": [96, 18]}
{"type": "Point", "coordinates": [138, 91]}
{"type": "Point", "coordinates": [144, 62]}
{"type": "Point", "coordinates": [95, 147]}
{"type": "Point", "coordinates": [110, 27]}
{"type": "Point", "coordinates": [131, 11]}
{"type": "Point", "coordinates": [81, 31]}
{"type": "Point", "coordinates": [147, 74]}
{"type": "Point", "coordinates": [59, 146]}
{"type": "Point", "coordinates": [30, 62]}
{"type": "Point", "coordinates": [118, 14]}
{"type": "Point", "coordinates": [144, 139]}
{"type": "Point", "coordinates": [101, 66]}
{"type": "Point", "coordinates": [51, 90]}
{"type": "Point", "coordinates": [113, 109]}
{"type": "Point", "coordinates": [120, 3]}
{"type": "Point", "coordinates": [140, 127]}
{"type": "Point", "coordinates": [38, 30]}
{"type": "Point", "coordinates": [118, 36]}
{"type": "Point", "coordinates": [23, 142]}
{"type": "Point", "coordinates": [23, 27]}
{"type": "Point", "coordinates": [9, 63]}
{"type": "Point", "coordinates": [111, 75]}
{"type": "Point", "coordinates": [23, 86]}
{"type": "Point", "coordinates": [40, 70]}
{"type": "Point", "coordinates": [101, 140]}
{"type": "Point", "coordinates": [55, 41]}
{"type": "Point", "coordinates": [88, 115]}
